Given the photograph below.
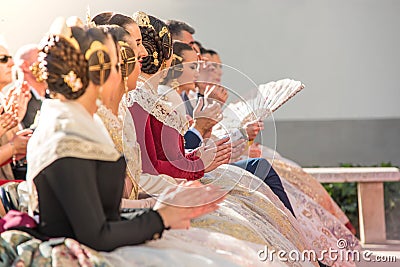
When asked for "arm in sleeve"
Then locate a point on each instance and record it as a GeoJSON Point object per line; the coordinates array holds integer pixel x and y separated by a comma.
{"type": "Point", "coordinates": [169, 141]}
{"type": "Point", "coordinates": [75, 185]}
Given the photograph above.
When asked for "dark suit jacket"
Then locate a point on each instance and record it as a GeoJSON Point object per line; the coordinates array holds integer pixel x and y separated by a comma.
{"type": "Point", "coordinates": [188, 105]}
{"type": "Point", "coordinates": [192, 141]}
{"type": "Point", "coordinates": [34, 105]}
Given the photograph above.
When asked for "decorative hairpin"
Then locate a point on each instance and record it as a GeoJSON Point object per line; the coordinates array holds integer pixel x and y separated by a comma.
{"type": "Point", "coordinates": [163, 31]}
{"type": "Point", "coordinates": [73, 81]}
{"type": "Point", "coordinates": [155, 56]}
{"type": "Point", "coordinates": [142, 19]}
{"type": "Point", "coordinates": [95, 46]}
{"type": "Point", "coordinates": [176, 57]}
{"type": "Point", "coordinates": [126, 60]}
{"type": "Point", "coordinates": [102, 66]}
{"type": "Point", "coordinates": [38, 72]}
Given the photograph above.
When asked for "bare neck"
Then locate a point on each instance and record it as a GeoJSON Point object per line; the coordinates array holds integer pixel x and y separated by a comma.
{"type": "Point", "coordinates": [112, 98]}
{"type": "Point", "coordinates": [88, 99]}
{"type": "Point", "coordinates": [152, 80]}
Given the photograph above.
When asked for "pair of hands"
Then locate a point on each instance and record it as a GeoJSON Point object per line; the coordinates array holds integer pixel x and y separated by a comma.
{"type": "Point", "coordinates": [214, 154]}
{"type": "Point", "coordinates": [179, 204]}
{"type": "Point", "coordinates": [206, 114]}
{"type": "Point", "coordinates": [14, 107]}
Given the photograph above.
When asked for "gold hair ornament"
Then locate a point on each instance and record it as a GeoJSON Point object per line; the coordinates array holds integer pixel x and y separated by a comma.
{"type": "Point", "coordinates": [95, 46]}
{"type": "Point", "coordinates": [142, 19]}
{"type": "Point", "coordinates": [38, 72]}
{"type": "Point", "coordinates": [163, 31]}
{"type": "Point", "coordinates": [73, 81]}
{"type": "Point", "coordinates": [126, 61]}
{"type": "Point", "coordinates": [155, 56]}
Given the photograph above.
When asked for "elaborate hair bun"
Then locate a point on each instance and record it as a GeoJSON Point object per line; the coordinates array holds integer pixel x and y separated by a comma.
{"type": "Point", "coordinates": [156, 39]}
{"type": "Point", "coordinates": [72, 56]}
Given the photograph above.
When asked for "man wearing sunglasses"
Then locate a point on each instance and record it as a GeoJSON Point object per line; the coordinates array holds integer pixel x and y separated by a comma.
{"type": "Point", "coordinates": [6, 63]}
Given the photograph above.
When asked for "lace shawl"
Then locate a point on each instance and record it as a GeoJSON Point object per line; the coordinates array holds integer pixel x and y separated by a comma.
{"type": "Point", "coordinates": [160, 109]}
{"type": "Point", "coordinates": [125, 142]}
{"type": "Point", "coordinates": [65, 129]}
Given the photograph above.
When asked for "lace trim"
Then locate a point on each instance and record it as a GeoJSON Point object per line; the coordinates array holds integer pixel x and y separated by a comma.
{"type": "Point", "coordinates": [125, 142]}
{"type": "Point", "coordinates": [163, 112]}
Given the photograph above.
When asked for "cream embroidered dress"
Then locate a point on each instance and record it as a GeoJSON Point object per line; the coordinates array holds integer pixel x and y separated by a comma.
{"type": "Point", "coordinates": [191, 244]}
{"type": "Point", "coordinates": [256, 217]}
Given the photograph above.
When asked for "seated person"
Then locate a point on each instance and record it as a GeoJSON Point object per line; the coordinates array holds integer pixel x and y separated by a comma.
{"type": "Point", "coordinates": [71, 157]}
{"type": "Point", "coordinates": [183, 73]}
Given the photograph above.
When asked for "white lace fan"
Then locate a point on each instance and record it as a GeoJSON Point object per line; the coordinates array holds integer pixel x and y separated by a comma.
{"type": "Point", "coordinates": [270, 97]}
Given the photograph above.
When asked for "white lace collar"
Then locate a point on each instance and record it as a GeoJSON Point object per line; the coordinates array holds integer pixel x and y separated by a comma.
{"type": "Point", "coordinates": [160, 109]}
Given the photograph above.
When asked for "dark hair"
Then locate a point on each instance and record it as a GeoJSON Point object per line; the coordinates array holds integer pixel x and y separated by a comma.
{"type": "Point", "coordinates": [176, 68]}
{"type": "Point", "coordinates": [111, 18]}
{"type": "Point", "coordinates": [62, 58]}
{"type": "Point", "coordinates": [198, 44]}
{"type": "Point", "coordinates": [119, 35]}
{"type": "Point", "coordinates": [176, 27]}
{"type": "Point", "coordinates": [102, 18]}
{"type": "Point", "coordinates": [121, 20]}
{"type": "Point", "coordinates": [157, 41]}
{"type": "Point", "coordinates": [208, 51]}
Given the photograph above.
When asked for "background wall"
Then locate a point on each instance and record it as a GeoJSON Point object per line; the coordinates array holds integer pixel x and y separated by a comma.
{"type": "Point", "coordinates": [345, 51]}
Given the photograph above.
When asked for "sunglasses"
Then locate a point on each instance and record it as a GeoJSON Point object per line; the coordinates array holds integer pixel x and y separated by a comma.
{"type": "Point", "coordinates": [4, 58]}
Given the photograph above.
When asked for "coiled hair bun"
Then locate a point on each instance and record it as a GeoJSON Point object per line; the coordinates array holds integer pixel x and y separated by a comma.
{"type": "Point", "coordinates": [156, 39]}
{"type": "Point", "coordinates": [73, 57]}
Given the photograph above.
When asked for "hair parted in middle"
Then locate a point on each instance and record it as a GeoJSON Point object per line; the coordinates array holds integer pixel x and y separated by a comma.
{"type": "Point", "coordinates": [156, 39]}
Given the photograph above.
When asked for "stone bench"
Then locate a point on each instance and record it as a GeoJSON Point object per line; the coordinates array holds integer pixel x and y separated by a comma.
{"type": "Point", "coordinates": [371, 205]}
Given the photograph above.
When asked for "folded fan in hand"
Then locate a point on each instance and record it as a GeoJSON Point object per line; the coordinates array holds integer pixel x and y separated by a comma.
{"type": "Point", "coordinates": [270, 97]}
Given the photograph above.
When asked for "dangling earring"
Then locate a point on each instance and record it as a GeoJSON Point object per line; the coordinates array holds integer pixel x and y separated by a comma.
{"type": "Point", "coordinates": [175, 84]}
{"type": "Point", "coordinates": [163, 65]}
{"type": "Point", "coordinates": [127, 97]}
{"type": "Point", "coordinates": [99, 101]}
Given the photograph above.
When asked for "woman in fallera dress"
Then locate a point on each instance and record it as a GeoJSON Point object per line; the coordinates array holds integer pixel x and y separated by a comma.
{"type": "Point", "coordinates": [244, 216]}
{"type": "Point", "coordinates": [322, 223]}
{"type": "Point", "coordinates": [181, 244]}
{"type": "Point", "coordinates": [71, 156]}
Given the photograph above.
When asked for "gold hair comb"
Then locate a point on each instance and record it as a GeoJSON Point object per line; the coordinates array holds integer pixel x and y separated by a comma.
{"type": "Point", "coordinates": [142, 19]}
{"type": "Point", "coordinates": [95, 46]}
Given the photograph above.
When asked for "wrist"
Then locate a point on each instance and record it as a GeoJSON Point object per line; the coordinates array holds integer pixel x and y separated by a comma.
{"type": "Point", "coordinates": [199, 127]}
{"type": "Point", "coordinates": [163, 215]}
{"type": "Point", "coordinates": [12, 146]}
{"type": "Point", "coordinates": [243, 131]}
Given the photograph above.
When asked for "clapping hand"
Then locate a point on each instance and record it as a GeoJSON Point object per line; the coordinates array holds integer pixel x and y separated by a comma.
{"type": "Point", "coordinates": [20, 141]}
{"type": "Point", "coordinates": [8, 120]}
{"type": "Point", "coordinates": [206, 116]}
{"type": "Point", "coordinates": [253, 128]}
{"type": "Point", "coordinates": [17, 100]}
{"type": "Point", "coordinates": [238, 147]}
{"type": "Point", "coordinates": [179, 204]}
{"type": "Point", "coordinates": [216, 93]}
{"type": "Point", "coordinates": [214, 154]}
